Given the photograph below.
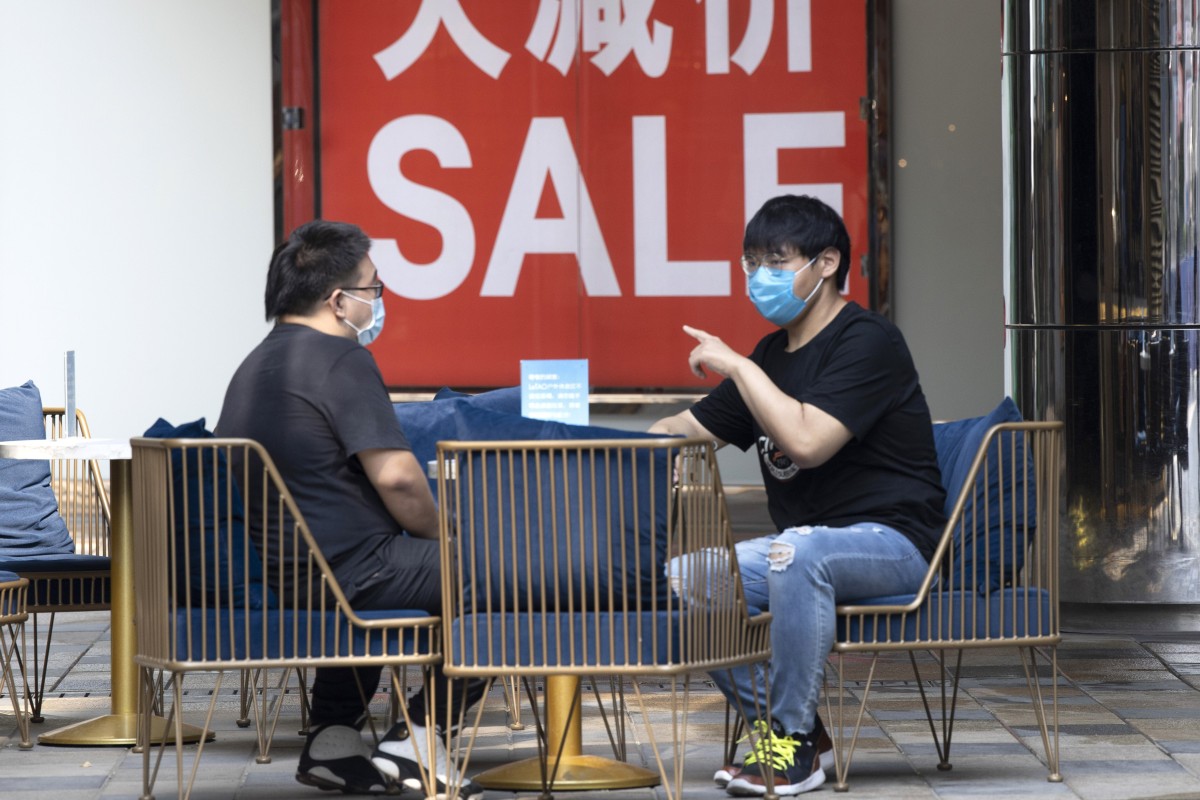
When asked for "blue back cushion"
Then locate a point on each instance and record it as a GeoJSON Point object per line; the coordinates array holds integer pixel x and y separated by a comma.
{"type": "Point", "coordinates": [594, 533]}
{"type": "Point", "coordinates": [218, 561]}
{"type": "Point", "coordinates": [427, 423]}
{"type": "Point", "coordinates": [30, 524]}
{"type": "Point", "coordinates": [957, 443]}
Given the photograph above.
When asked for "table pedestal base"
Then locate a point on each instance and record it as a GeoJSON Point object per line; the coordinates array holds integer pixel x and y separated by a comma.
{"type": "Point", "coordinates": [567, 769]}
{"type": "Point", "coordinates": [575, 773]}
{"type": "Point", "coordinates": [118, 730]}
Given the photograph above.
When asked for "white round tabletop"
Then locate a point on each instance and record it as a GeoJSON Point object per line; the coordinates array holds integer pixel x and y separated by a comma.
{"type": "Point", "coordinates": [73, 447]}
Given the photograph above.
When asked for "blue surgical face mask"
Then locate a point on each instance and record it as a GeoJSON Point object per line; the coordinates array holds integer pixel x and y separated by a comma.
{"type": "Point", "coordinates": [771, 292]}
{"type": "Point", "coordinates": [368, 334]}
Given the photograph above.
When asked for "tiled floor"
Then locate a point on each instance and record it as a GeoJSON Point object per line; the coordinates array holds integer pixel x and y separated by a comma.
{"type": "Point", "coordinates": [1130, 728]}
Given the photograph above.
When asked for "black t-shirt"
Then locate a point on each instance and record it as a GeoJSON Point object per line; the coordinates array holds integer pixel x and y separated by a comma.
{"type": "Point", "coordinates": [314, 401]}
{"type": "Point", "coordinates": [858, 370]}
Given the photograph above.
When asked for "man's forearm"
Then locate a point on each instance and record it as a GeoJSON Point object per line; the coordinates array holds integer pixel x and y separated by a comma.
{"type": "Point", "coordinates": [683, 424]}
{"type": "Point", "coordinates": [416, 514]}
{"type": "Point", "coordinates": [671, 426]}
{"type": "Point", "coordinates": [400, 483]}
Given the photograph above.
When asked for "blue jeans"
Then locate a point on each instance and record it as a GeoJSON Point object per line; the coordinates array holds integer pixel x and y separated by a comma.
{"type": "Point", "coordinates": [801, 575]}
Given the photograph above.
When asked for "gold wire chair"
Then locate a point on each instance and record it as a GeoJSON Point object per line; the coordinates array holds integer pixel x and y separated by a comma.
{"type": "Point", "coordinates": [555, 562]}
{"type": "Point", "coordinates": [13, 613]}
{"type": "Point", "coordinates": [80, 582]}
{"type": "Point", "coordinates": [223, 585]}
{"type": "Point", "coordinates": [976, 594]}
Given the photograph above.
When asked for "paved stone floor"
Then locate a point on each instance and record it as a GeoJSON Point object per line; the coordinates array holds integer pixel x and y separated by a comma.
{"type": "Point", "coordinates": [1129, 713]}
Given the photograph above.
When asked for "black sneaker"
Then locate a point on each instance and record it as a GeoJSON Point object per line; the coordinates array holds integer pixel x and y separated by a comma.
{"type": "Point", "coordinates": [335, 758]}
{"type": "Point", "coordinates": [399, 752]}
{"type": "Point", "coordinates": [795, 761]}
{"type": "Point", "coordinates": [725, 774]}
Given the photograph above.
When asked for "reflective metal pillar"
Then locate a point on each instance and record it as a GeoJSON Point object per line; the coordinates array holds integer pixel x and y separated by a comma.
{"type": "Point", "coordinates": [1102, 153]}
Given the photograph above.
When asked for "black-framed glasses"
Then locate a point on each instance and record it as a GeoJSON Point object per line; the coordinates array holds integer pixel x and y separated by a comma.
{"type": "Point", "coordinates": [375, 288]}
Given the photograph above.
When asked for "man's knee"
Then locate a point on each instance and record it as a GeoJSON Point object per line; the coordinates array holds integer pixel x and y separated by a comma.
{"type": "Point", "coordinates": [806, 545]}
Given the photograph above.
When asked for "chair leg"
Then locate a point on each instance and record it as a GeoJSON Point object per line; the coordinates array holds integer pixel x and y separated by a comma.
{"type": "Point", "coordinates": [1049, 737]}
{"type": "Point", "coordinates": [843, 752]}
{"type": "Point", "coordinates": [672, 783]}
{"type": "Point", "coordinates": [244, 700]}
{"type": "Point", "coordinates": [512, 702]}
{"type": "Point", "coordinates": [458, 748]}
{"type": "Point", "coordinates": [177, 711]}
{"type": "Point", "coordinates": [149, 686]}
{"type": "Point", "coordinates": [12, 641]}
{"type": "Point", "coordinates": [735, 729]}
{"type": "Point", "coordinates": [302, 682]}
{"type": "Point", "coordinates": [40, 668]}
{"type": "Point", "coordinates": [614, 719]}
{"type": "Point", "coordinates": [949, 705]}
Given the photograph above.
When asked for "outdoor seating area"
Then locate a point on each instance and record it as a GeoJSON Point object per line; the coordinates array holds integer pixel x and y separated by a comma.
{"type": "Point", "coordinates": [636, 602]}
{"type": "Point", "coordinates": [600, 399]}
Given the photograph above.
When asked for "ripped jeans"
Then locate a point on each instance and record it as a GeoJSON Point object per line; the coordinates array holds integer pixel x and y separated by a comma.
{"type": "Point", "coordinates": [801, 574]}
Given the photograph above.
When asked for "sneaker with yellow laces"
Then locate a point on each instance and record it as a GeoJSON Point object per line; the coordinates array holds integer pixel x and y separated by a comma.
{"type": "Point", "coordinates": [793, 757]}
{"type": "Point", "coordinates": [728, 772]}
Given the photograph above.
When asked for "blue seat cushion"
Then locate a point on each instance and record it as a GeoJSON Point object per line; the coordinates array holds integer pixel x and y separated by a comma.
{"type": "Point", "coordinates": [8, 577]}
{"type": "Point", "coordinates": [428, 422]}
{"type": "Point", "coordinates": [87, 584]}
{"type": "Point", "coordinates": [957, 443]}
{"type": "Point", "coordinates": [220, 560]}
{"type": "Point", "coordinates": [955, 615]}
{"type": "Point", "coordinates": [285, 634]}
{"type": "Point", "coordinates": [581, 531]}
{"type": "Point", "coordinates": [30, 524]}
{"type": "Point", "coordinates": [615, 639]}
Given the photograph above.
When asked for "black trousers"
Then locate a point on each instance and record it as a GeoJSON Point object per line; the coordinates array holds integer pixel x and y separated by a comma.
{"type": "Point", "coordinates": [402, 574]}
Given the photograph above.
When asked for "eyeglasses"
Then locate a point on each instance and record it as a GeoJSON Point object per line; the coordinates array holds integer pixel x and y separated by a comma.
{"type": "Point", "coordinates": [751, 263]}
{"type": "Point", "coordinates": [375, 288]}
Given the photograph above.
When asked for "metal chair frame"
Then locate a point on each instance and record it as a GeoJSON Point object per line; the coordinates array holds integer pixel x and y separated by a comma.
{"type": "Point", "coordinates": [709, 629]}
{"type": "Point", "coordinates": [13, 614]}
{"type": "Point", "coordinates": [83, 504]}
{"type": "Point", "coordinates": [304, 627]}
{"type": "Point", "coordinates": [1025, 626]}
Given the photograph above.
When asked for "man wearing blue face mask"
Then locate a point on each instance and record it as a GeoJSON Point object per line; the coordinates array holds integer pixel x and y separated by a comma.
{"type": "Point", "coordinates": [313, 396]}
{"type": "Point", "coordinates": [832, 403]}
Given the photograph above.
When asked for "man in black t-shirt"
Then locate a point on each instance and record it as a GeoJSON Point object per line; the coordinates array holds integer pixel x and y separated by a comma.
{"type": "Point", "coordinates": [313, 396]}
{"type": "Point", "coordinates": [833, 406]}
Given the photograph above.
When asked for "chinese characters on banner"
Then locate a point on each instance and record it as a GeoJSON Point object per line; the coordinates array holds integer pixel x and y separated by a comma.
{"type": "Point", "coordinates": [557, 179]}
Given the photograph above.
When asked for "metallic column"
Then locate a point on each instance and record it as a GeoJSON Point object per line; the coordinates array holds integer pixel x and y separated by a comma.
{"type": "Point", "coordinates": [1102, 152]}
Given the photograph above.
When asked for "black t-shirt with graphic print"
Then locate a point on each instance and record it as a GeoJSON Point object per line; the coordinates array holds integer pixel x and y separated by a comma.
{"type": "Point", "coordinates": [857, 369]}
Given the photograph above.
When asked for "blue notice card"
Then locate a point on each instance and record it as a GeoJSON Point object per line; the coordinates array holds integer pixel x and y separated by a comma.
{"type": "Point", "coordinates": [556, 390]}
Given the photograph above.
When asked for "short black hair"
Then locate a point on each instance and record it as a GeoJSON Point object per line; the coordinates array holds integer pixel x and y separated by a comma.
{"type": "Point", "coordinates": [315, 259]}
{"type": "Point", "coordinates": [798, 224]}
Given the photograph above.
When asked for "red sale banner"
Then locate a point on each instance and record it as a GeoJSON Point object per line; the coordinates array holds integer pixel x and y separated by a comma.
{"type": "Point", "coordinates": [561, 179]}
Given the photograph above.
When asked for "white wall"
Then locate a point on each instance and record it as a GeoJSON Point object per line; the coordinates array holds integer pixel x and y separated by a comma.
{"type": "Point", "coordinates": [947, 202]}
{"type": "Point", "coordinates": [135, 201]}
